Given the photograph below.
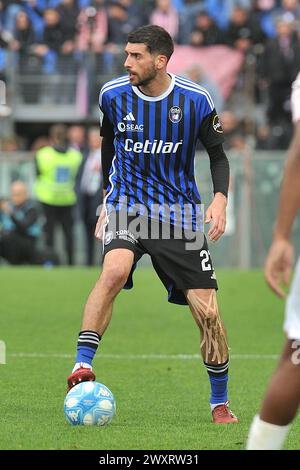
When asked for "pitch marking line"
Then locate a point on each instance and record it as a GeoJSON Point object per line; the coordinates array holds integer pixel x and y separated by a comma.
{"type": "Point", "coordinates": [181, 357]}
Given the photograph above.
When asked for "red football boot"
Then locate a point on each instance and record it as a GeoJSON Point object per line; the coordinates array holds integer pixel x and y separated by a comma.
{"type": "Point", "coordinates": [83, 374]}
{"type": "Point", "coordinates": [221, 414]}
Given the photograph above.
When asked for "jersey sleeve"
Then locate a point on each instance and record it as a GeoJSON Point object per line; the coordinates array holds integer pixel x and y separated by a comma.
{"type": "Point", "coordinates": [106, 128]}
{"type": "Point", "coordinates": [106, 125]}
{"type": "Point", "coordinates": [211, 132]}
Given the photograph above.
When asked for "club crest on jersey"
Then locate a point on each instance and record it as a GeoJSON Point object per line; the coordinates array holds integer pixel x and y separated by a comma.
{"type": "Point", "coordinates": [175, 114]}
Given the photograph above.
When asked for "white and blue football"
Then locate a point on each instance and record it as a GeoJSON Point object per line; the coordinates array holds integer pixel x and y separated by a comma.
{"type": "Point", "coordinates": [89, 403]}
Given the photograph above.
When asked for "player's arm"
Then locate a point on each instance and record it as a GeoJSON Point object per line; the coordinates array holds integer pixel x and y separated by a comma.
{"type": "Point", "coordinates": [211, 136]}
{"type": "Point", "coordinates": [279, 261]}
{"type": "Point", "coordinates": [107, 153]}
{"type": "Point", "coordinates": [289, 199]}
{"type": "Point", "coordinates": [216, 212]}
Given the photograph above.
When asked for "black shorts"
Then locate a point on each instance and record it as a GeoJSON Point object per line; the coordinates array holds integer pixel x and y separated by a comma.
{"type": "Point", "coordinates": [178, 268]}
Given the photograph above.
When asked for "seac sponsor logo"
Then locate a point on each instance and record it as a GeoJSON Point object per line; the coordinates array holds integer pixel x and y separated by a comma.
{"type": "Point", "coordinates": [126, 127]}
{"type": "Point", "coordinates": [217, 125]}
{"type": "Point", "coordinates": [157, 146]}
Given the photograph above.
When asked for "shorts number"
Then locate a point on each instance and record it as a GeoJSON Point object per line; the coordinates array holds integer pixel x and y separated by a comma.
{"type": "Point", "coordinates": [205, 264]}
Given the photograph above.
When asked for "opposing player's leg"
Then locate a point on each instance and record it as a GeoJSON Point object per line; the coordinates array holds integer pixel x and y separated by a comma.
{"type": "Point", "coordinates": [214, 349]}
{"type": "Point", "coordinates": [98, 310]}
{"type": "Point", "coordinates": [282, 399]}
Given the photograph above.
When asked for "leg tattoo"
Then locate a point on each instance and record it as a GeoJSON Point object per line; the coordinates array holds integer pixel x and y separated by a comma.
{"type": "Point", "coordinates": [214, 345]}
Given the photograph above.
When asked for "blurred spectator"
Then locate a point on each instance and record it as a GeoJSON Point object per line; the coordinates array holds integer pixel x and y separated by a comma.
{"type": "Point", "coordinates": [280, 65]}
{"type": "Point", "coordinates": [10, 144]}
{"type": "Point", "coordinates": [233, 131]}
{"type": "Point", "coordinates": [12, 8]}
{"type": "Point", "coordinates": [68, 12]}
{"type": "Point", "coordinates": [123, 17]}
{"type": "Point", "coordinates": [35, 10]}
{"type": "Point", "coordinates": [221, 10]}
{"type": "Point", "coordinates": [76, 137]}
{"type": "Point", "coordinates": [57, 168]}
{"type": "Point", "coordinates": [264, 10]}
{"type": "Point", "coordinates": [197, 75]}
{"type": "Point", "coordinates": [93, 27]}
{"type": "Point", "coordinates": [205, 32]}
{"type": "Point", "coordinates": [166, 16]}
{"type": "Point", "coordinates": [23, 38]}
{"type": "Point", "coordinates": [51, 41]}
{"type": "Point", "coordinates": [187, 19]}
{"type": "Point", "coordinates": [243, 31]}
{"type": "Point", "coordinates": [271, 10]}
{"type": "Point", "coordinates": [5, 39]}
{"type": "Point", "coordinates": [276, 137]}
{"type": "Point", "coordinates": [67, 63]}
{"type": "Point", "coordinates": [90, 190]}
{"type": "Point", "coordinates": [19, 227]}
{"type": "Point", "coordinates": [138, 14]}
{"type": "Point", "coordinates": [39, 142]}
{"type": "Point", "coordinates": [22, 44]}
{"type": "Point", "coordinates": [119, 25]}
{"type": "Point", "coordinates": [91, 39]}
{"type": "Point", "coordinates": [290, 9]}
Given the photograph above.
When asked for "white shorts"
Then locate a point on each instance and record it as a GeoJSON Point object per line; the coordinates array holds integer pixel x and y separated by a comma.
{"type": "Point", "coordinates": [292, 309]}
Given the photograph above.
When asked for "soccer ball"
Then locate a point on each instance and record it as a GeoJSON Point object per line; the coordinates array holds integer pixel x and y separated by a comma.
{"type": "Point", "coordinates": [89, 403]}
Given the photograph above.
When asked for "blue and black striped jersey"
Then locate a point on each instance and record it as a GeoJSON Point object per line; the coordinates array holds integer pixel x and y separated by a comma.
{"type": "Point", "coordinates": [155, 140]}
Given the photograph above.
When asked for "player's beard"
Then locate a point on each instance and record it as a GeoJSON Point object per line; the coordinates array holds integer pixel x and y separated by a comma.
{"type": "Point", "coordinates": [144, 81]}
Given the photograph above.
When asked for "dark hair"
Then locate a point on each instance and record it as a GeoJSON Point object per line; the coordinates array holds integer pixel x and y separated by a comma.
{"type": "Point", "coordinates": [156, 39]}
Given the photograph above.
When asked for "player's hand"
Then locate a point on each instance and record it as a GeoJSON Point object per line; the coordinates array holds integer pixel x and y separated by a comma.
{"type": "Point", "coordinates": [100, 224]}
{"type": "Point", "coordinates": [216, 213]}
{"type": "Point", "coordinates": [278, 265]}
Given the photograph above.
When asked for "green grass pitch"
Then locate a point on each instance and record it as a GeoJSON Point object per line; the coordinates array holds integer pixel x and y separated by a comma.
{"type": "Point", "coordinates": [162, 398]}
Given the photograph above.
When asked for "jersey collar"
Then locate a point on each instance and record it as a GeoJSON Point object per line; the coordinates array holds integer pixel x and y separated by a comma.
{"type": "Point", "coordinates": [156, 98]}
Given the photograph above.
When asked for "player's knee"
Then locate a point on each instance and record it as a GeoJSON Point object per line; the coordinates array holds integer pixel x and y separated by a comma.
{"type": "Point", "coordinates": [209, 315]}
{"type": "Point", "coordinates": [114, 277]}
{"type": "Point", "coordinates": [206, 307]}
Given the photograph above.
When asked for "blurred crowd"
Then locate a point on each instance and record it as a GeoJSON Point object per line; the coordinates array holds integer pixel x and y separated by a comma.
{"type": "Point", "coordinates": [61, 36]}
{"type": "Point", "coordinates": [68, 189]}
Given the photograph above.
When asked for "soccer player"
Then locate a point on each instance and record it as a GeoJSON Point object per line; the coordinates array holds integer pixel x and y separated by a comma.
{"type": "Point", "coordinates": [152, 121]}
{"type": "Point", "coordinates": [281, 402]}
